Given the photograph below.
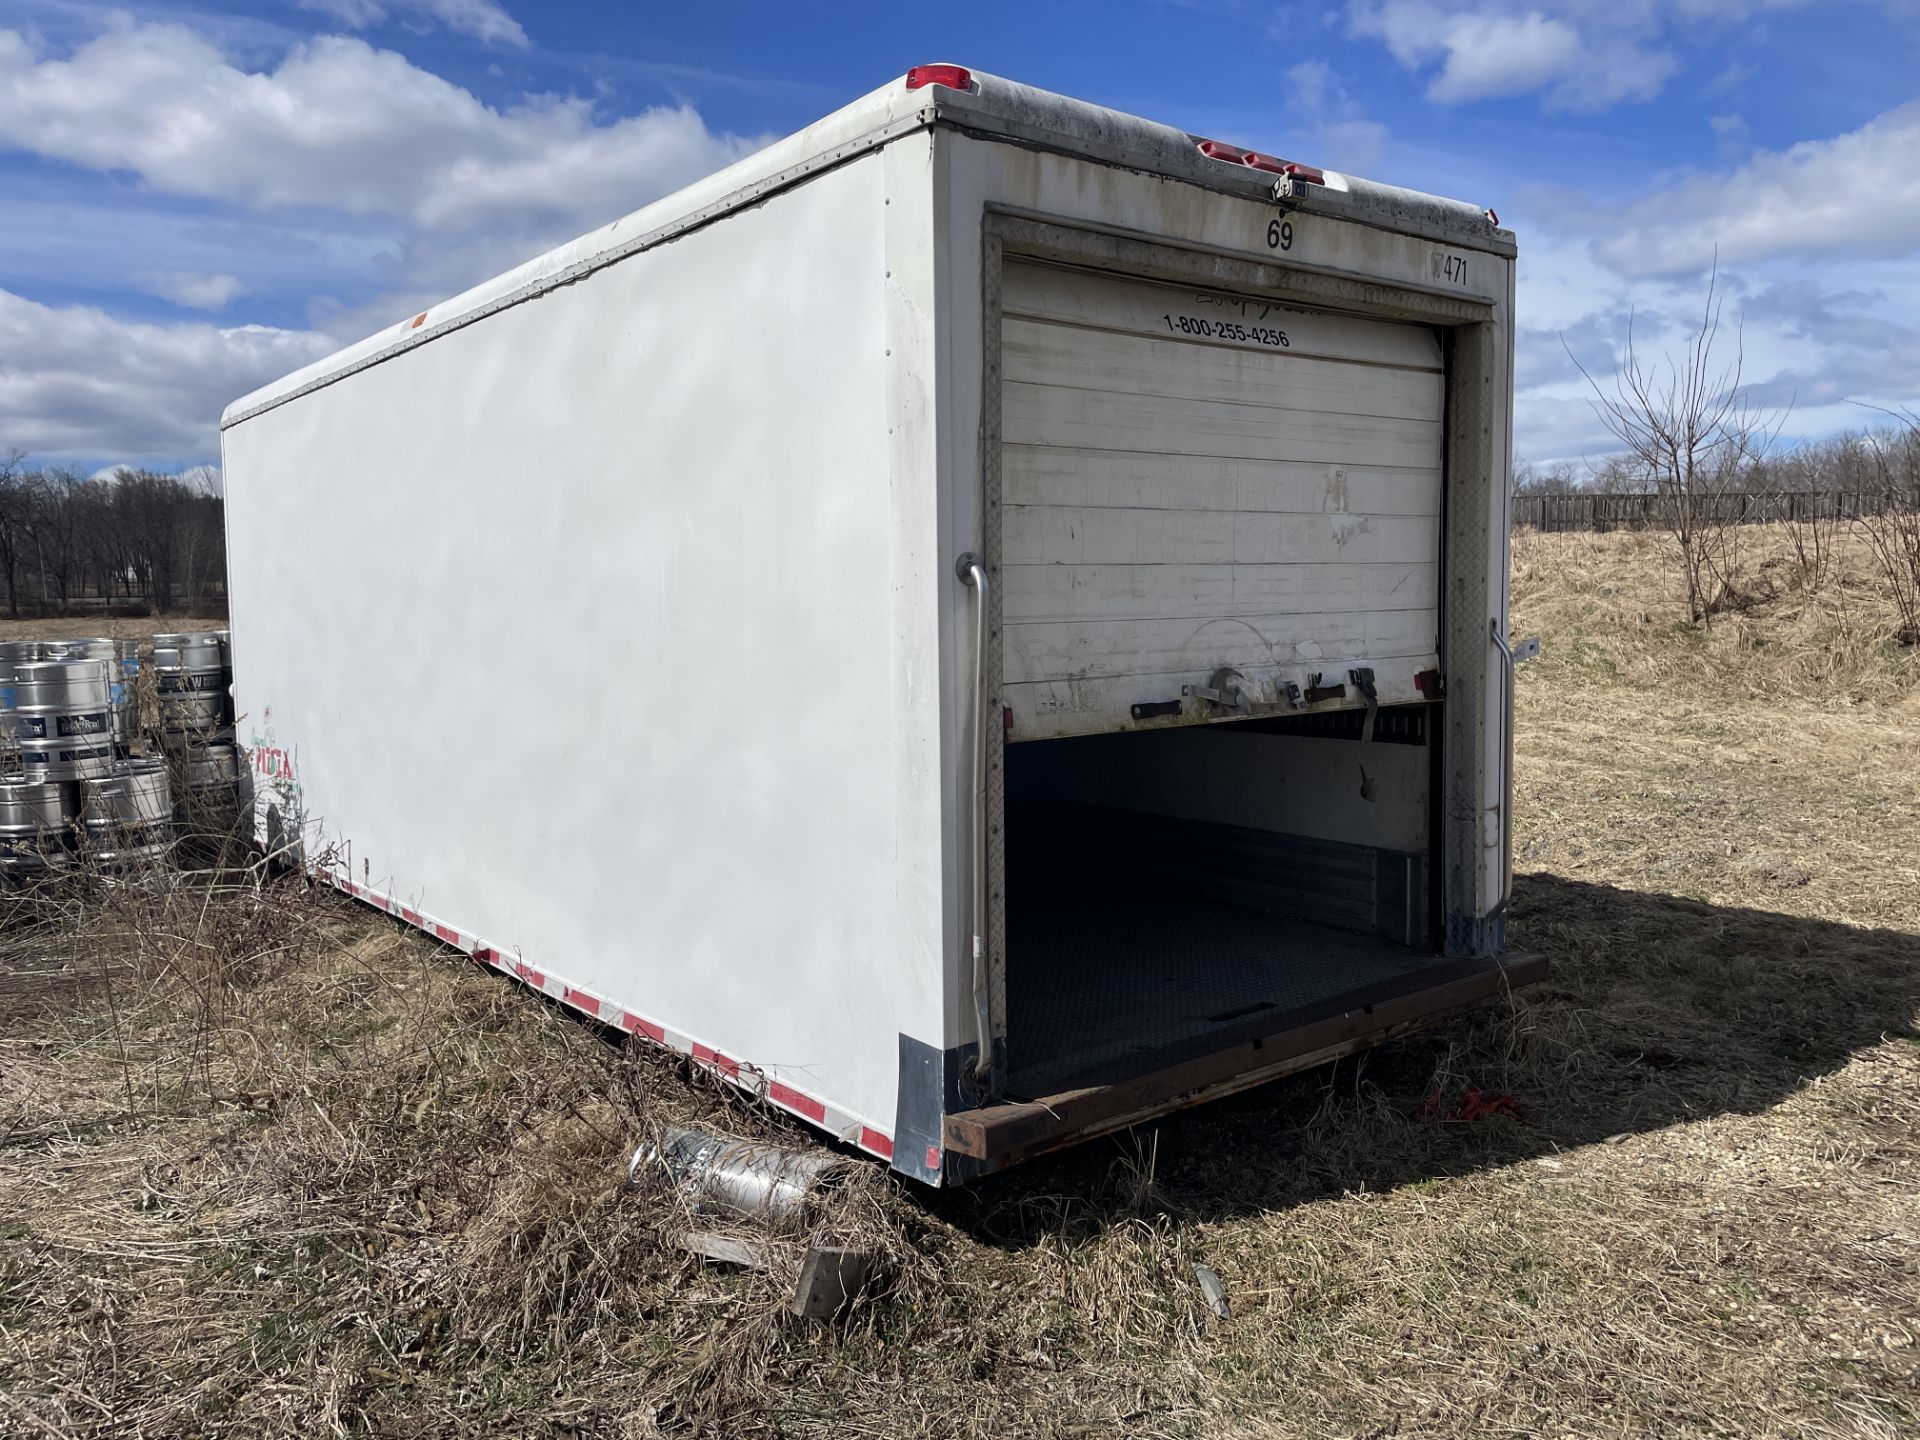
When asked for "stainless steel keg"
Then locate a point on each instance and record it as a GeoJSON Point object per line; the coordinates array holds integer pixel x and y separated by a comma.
{"type": "Point", "coordinates": [63, 718]}
{"type": "Point", "coordinates": [36, 825]}
{"type": "Point", "coordinates": [127, 814]}
{"type": "Point", "coordinates": [190, 681]}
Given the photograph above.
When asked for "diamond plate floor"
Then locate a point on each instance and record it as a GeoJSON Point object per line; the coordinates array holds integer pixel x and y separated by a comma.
{"type": "Point", "coordinates": [1106, 982]}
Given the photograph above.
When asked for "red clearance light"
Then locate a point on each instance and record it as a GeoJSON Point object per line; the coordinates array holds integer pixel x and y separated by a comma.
{"type": "Point", "coordinates": [1494, 219]}
{"type": "Point", "coordinates": [1230, 154]}
{"type": "Point", "coordinates": [954, 77]}
{"type": "Point", "coordinates": [1258, 160]}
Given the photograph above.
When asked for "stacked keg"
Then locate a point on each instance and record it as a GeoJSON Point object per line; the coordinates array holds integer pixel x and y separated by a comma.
{"type": "Point", "coordinates": [122, 696]}
{"type": "Point", "coordinates": [192, 673]}
{"type": "Point", "coordinates": [36, 826]}
{"type": "Point", "coordinates": [63, 718]}
{"type": "Point", "coordinates": [126, 694]}
{"type": "Point", "coordinates": [193, 680]}
{"type": "Point", "coordinates": [208, 788]}
{"type": "Point", "coordinates": [127, 816]}
{"type": "Point", "coordinates": [13, 654]}
{"type": "Point", "coordinates": [36, 815]}
{"type": "Point", "coordinates": [72, 788]}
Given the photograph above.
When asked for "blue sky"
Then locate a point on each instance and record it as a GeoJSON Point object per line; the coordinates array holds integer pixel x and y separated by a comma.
{"type": "Point", "coordinates": [197, 198]}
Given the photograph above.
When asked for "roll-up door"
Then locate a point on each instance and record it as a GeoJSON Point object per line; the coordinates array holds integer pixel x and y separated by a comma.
{"type": "Point", "coordinates": [1195, 482]}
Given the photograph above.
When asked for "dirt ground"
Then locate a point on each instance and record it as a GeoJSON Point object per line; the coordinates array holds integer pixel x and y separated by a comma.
{"type": "Point", "coordinates": [271, 1166]}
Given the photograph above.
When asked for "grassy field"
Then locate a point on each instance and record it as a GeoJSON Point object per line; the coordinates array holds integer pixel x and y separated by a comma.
{"type": "Point", "coordinates": [271, 1165]}
{"type": "Point", "coordinates": [71, 627]}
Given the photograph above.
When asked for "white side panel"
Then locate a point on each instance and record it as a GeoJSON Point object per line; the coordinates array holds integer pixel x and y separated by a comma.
{"type": "Point", "coordinates": [594, 629]}
{"type": "Point", "coordinates": [1187, 478]}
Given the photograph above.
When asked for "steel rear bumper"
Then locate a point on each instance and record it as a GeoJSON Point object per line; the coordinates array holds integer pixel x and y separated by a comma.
{"type": "Point", "coordinates": [995, 1136]}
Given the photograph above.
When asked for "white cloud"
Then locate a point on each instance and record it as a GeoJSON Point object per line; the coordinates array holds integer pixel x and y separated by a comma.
{"type": "Point", "coordinates": [1856, 193]}
{"type": "Point", "coordinates": [482, 19]}
{"type": "Point", "coordinates": [1308, 84]}
{"type": "Point", "coordinates": [1819, 335]}
{"type": "Point", "coordinates": [354, 14]}
{"type": "Point", "coordinates": [1733, 137]}
{"type": "Point", "coordinates": [1576, 54]}
{"type": "Point", "coordinates": [355, 164]}
{"type": "Point", "coordinates": [77, 383]}
{"type": "Point", "coordinates": [1811, 356]}
{"type": "Point", "coordinates": [195, 292]}
{"type": "Point", "coordinates": [1335, 130]}
{"type": "Point", "coordinates": [1730, 79]}
{"type": "Point", "coordinates": [1492, 55]}
{"type": "Point", "coordinates": [207, 479]}
{"type": "Point", "coordinates": [341, 125]}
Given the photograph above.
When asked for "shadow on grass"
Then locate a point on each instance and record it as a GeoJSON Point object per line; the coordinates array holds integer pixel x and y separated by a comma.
{"type": "Point", "coordinates": [1659, 1010]}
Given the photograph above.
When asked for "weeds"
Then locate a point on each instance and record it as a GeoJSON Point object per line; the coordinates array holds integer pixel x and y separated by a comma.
{"type": "Point", "coordinates": [272, 1165]}
{"type": "Point", "coordinates": [1601, 603]}
{"type": "Point", "coordinates": [1893, 536]}
{"type": "Point", "coordinates": [1687, 431]}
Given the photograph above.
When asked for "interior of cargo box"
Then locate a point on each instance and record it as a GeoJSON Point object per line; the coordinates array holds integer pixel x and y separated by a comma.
{"type": "Point", "coordinates": [1172, 892]}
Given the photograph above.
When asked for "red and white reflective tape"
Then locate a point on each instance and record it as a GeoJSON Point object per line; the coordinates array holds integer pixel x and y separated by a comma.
{"type": "Point", "coordinates": [850, 1129]}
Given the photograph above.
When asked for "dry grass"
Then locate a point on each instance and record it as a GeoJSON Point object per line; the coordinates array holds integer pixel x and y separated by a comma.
{"type": "Point", "coordinates": [1613, 609]}
{"type": "Point", "coordinates": [308, 1174]}
{"type": "Point", "coordinates": [92, 624]}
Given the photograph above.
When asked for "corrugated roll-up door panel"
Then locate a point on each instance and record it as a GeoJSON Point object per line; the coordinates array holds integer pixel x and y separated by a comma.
{"type": "Point", "coordinates": [1194, 480]}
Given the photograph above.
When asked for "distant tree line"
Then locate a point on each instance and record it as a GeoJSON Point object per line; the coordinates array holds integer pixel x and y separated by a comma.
{"type": "Point", "coordinates": [1853, 463]}
{"type": "Point", "coordinates": [1850, 476]}
{"type": "Point", "coordinates": [136, 539]}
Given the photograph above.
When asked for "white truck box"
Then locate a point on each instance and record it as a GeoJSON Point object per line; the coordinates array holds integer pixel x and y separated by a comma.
{"type": "Point", "coordinates": [982, 622]}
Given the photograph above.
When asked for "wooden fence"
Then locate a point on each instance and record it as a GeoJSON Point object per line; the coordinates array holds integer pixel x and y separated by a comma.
{"type": "Point", "coordinates": [1591, 510]}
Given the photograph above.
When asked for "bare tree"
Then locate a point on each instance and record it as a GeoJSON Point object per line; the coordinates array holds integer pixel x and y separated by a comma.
{"type": "Point", "coordinates": [1891, 527]}
{"type": "Point", "coordinates": [1811, 515]}
{"type": "Point", "coordinates": [56, 532]}
{"type": "Point", "coordinates": [1689, 435]}
{"type": "Point", "coordinates": [102, 550]}
{"type": "Point", "coordinates": [13, 522]}
{"type": "Point", "coordinates": [1616, 476]}
{"type": "Point", "coordinates": [1562, 477]}
{"type": "Point", "coordinates": [159, 537]}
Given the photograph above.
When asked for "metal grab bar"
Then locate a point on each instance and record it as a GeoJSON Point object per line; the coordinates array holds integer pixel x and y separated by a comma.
{"type": "Point", "coordinates": [1506, 780]}
{"type": "Point", "coordinates": [973, 574]}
